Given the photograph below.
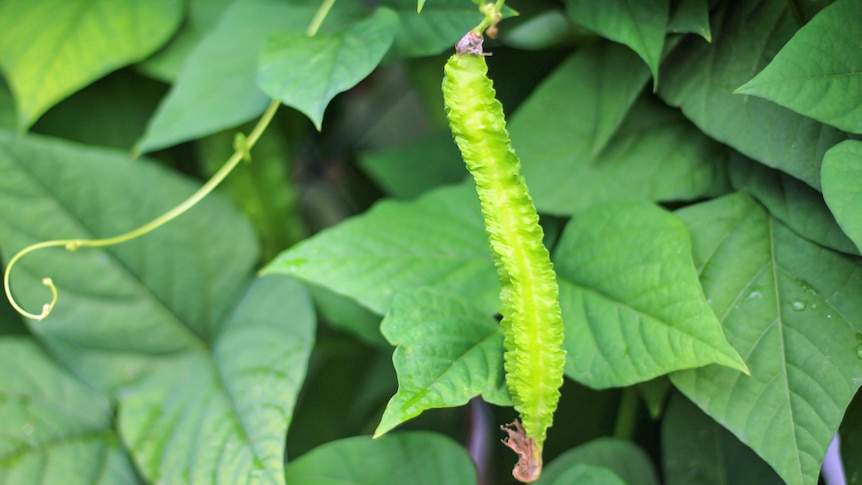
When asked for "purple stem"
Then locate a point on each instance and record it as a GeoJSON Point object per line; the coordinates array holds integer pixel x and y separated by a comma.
{"type": "Point", "coordinates": [833, 469]}
{"type": "Point", "coordinates": [481, 421]}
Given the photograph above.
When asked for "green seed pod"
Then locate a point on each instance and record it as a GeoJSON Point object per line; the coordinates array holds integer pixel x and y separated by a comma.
{"type": "Point", "coordinates": [532, 325]}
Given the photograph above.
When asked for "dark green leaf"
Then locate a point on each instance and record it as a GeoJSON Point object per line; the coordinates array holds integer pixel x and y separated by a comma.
{"type": "Point", "coordinates": [588, 474]}
{"type": "Point", "coordinates": [437, 28]}
{"type": "Point", "coordinates": [700, 78]}
{"type": "Point", "coordinates": [221, 415]}
{"type": "Point", "coordinates": [791, 308]}
{"type": "Point", "coordinates": [654, 393]}
{"type": "Point", "coordinates": [262, 189]}
{"type": "Point", "coordinates": [851, 439]}
{"type": "Point", "coordinates": [624, 459]}
{"type": "Point", "coordinates": [819, 72]}
{"type": "Point", "coordinates": [55, 429]}
{"type": "Point", "coordinates": [124, 306]}
{"type": "Point", "coordinates": [307, 72]}
{"type": "Point", "coordinates": [631, 301]}
{"type": "Point", "coordinates": [448, 352]}
{"type": "Point", "coordinates": [418, 458]}
{"type": "Point", "coordinates": [409, 170]}
{"type": "Point", "coordinates": [790, 201]}
{"type": "Point", "coordinates": [52, 48]}
{"type": "Point", "coordinates": [639, 24]}
{"type": "Point", "coordinates": [690, 16]}
{"type": "Point", "coordinates": [438, 240]}
{"type": "Point", "coordinates": [696, 449]}
{"type": "Point", "coordinates": [842, 187]}
{"type": "Point", "coordinates": [345, 313]}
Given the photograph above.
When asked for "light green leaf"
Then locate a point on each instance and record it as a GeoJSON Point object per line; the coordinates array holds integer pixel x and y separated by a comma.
{"type": "Point", "coordinates": [307, 72]}
{"type": "Point", "coordinates": [202, 16]}
{"type": "Point", "coordinates": [542, 30]}
{"type": "Point", "coordinates": [700, 78]}
{"type": "Point", "coordinates": [216, 88]}
{"type": "Point", "coordinates": [690, 16]}
{"type": "Point", "coordinates": [54, 427]}
{"type": "Point", "coordinates": [220, 416]}
{"type": "Point", "coordinates": [52, 48]}
{"type": "Point", "coordinates": [842, 187]}
{"type": "Point", "coordinates": [639, 24]}
{"type": "Point", "coordinates": [696, 449]}
{"type": "Point", "coordinates": [631, 301]}
{"type": "Point", "coordinates": [372, 256]}
{"type": "Point", "coordinates": [789, 306]}
{"type": "Point", "coordinates": [622, 458]}
{"type": "Point", "coordinates": [125, 306]}
{"type": "Point", "coordinates": [409, 170]}
{"type": "Point", "coordinates": [448, 352]}
{"type": "Point", "coordinates": [791, 201]}
{"type": "Point", "coordinates": [417, 458]}
{"type": "Point", "coordinates": [818, 73]}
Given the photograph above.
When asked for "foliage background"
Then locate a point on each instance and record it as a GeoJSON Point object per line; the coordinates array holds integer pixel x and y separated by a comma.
{"type": "Point", "coordinates": [697, 165]}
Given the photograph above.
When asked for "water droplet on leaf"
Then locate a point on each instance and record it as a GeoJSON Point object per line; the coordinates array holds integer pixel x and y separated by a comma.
{"type": "Point", "coordinates": [798, 305]}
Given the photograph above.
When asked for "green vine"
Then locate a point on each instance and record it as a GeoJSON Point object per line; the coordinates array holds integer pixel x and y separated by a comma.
{"type": "Point", "coordinates": [242, 151]}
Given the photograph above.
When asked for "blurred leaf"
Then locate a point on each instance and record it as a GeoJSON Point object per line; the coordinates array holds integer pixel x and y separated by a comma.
{"type": "Point", "coordinates": [220, 415]}
{"type": "Point", "coordinates": [409, 170]}
{"type": "Point", "coordinates": [346, 314]}
{"type": "Point", "coordinates": [437, 28]}
{"type": "Point", "coordinates": [700, 79]}
{"type": "Point", "coordinates": [623, 458]}
{"type": "Point", "coordinates": [55, 429]}
{"type": "Point", "coordinates": [52, 48]}
{"type": "Point", "coordinates": [842, 187]}
{"type": "Point", "coordinates": [791, 201]}
{"type": "Point", "coordinates": [851, 439]}
{"type": "Point", "coordinates": [818, 73]}
{"type": "Point", "coordinates": [372, 256]}
{"type": "Point", "coordinates": [125, 306]}
{"type": "Point", "coordinates": [201, 17]}
{"type": "Point", "coordinates": [696, 449]}
{"type": "Point", "coordinates": [447, 353]}
{"type": "Point", "coordinates": [791, 308]}
{"type": "Point", "coordinates": [654, 393]}
{"type": "Point", "coordinates": [307, 72]}
{"type": "Point", "coordinates": [690, 16]}
{"type": "Point", "coordinates": [262, 189]}
{"type": "Point", "coordinates": [588, 474]}
{"type": "Point", "coordinates": [543, 30]}
{"type": "Point", "coordinates": [417, 458]}
{"type": "Point", "coordinates": [117, 109]}
{"type": "Point", "coordinates": [631, 301]}
{"type": "Point", "coordinates": [8, 117]}
{"type": "Point", "coordinates": [216, 88]}
{"type": "Point", "coordinates": [639, 24]}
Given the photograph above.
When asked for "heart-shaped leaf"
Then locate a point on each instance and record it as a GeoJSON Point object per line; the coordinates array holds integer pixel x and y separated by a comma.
{"type": "Point", "coordinates": [125, 306]}
{"type": "Point", "coordinates": [225, 412]}
{"type": "Point", "coordinates": [417, 458]}
{"type": "Point", "coordinates": [631, 300]}
{"type": "Point", "coordinates": [639, 24]}
{"type": "Point", "coordinates": [52, 48]}
{"type": "Point", "coordinates": [447, 352]}
{"type": "Point", "coordinates": [819, 72]}
{"type": "Point", "coordinates": [790, 307]}
{"type": "Point", "coordinates": [307, 72]}
{"type": "Point", "coordinates": [622, 458]}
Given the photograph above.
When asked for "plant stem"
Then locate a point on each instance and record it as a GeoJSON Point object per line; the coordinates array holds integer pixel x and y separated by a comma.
{"type": "Point", "coordinates": [627, 414]}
